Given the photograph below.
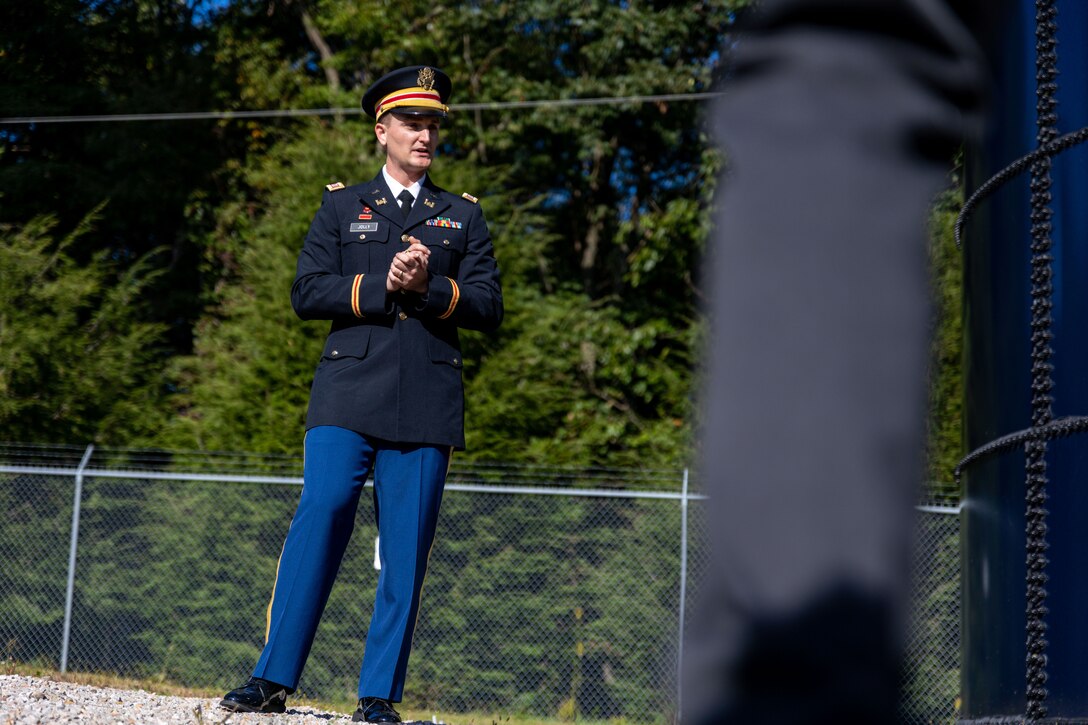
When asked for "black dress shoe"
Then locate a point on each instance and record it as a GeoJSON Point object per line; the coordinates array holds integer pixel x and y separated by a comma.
{"type": "Point", "coordinates": [375, 709]}
{"type": "Point", "coordinates": [256, 695]}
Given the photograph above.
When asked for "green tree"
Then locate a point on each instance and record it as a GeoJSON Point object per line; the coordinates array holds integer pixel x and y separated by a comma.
{"type": "Point", "coordinates": [173, 578]}
{"type": "Point", "coordinates": [599, 214]}
{"type": "Point", "coordinates": [945, 431]}
{"type": "Point", "coordinates": [78, 363]}
{"type": "Point", "coordinates": [35, 521]}
{"type": "Point", "coordinates": [74, 57]}
{"type": "Point", "coordinates": [565, 614]}
{"type": "Point", "coordinates": [246, 386]}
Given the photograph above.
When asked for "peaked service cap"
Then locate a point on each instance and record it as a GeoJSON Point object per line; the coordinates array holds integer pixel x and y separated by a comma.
{"type": "Point", "coordinates": [417, 90]}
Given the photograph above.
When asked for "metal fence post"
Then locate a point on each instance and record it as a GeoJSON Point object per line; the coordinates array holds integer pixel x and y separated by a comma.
{"type": "Point", "coordinates": [76, 498]}
{"type": "Point", "coordinates": [683, 597]}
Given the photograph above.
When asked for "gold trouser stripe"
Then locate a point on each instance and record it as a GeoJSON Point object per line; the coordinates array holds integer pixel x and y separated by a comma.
{"type": "Point", "coordinates": [355, 295]}
{"type": "Point", "coordinates": [453, 302]}
{"type": "Point", "coordinates": [268, 614]}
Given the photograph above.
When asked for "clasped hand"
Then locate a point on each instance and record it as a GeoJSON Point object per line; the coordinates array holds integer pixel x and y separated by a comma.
{"type": "Point", "coordinates": [409, 269]}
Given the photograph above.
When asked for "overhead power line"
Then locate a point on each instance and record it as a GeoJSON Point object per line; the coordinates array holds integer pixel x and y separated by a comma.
{"type": "Point", "coordinates": [292, 112]}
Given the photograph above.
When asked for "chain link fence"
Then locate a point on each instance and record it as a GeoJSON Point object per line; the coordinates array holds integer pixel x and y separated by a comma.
{"type": "Point", "coordinates": [932, 676]}
{"type": "Point", "coordinates": [555, 593]}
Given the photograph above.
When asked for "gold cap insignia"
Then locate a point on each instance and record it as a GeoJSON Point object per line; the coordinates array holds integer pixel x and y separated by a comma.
{"type": "Point", "coordinates": [426, 78]}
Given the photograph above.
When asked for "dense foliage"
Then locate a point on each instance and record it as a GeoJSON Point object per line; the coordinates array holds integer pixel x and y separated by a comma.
{"type": "Point", "coordinates": [944, 440]}
{"type": "Point", "coordinates": [599, 212]}
{"type": "Point", "coordinates": [78, 356]}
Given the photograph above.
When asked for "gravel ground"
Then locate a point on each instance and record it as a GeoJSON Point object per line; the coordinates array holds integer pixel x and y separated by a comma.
{"type": "Point", "coordinates": [38, 701]}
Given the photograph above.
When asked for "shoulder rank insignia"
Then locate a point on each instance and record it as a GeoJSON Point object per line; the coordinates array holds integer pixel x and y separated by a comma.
{"type": "Point", "coordinates": [335, 186]}
{"type": "Point", "coordinates": [470, 197]}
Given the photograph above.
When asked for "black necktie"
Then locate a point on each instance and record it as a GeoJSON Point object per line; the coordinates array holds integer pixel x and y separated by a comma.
{"type": "Point", "coordinates": [406, 200]}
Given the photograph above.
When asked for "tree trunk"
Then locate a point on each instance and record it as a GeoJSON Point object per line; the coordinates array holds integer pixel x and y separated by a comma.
{"type": "Point", "coordinates": [323, 50]}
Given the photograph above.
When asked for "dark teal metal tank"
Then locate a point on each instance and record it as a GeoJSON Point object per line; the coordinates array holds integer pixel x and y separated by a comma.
{"type": "Point", "coordinates": [997, 269]}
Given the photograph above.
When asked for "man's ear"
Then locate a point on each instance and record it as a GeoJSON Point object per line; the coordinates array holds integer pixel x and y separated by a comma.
{"type": "Point", "coordinates": [379, 132]}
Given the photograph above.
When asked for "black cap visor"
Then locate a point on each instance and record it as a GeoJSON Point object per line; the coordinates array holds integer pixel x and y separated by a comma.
{"type": "Point", "coordinates": [414, 111]}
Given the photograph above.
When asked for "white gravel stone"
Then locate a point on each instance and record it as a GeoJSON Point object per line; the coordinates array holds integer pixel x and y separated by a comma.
{"type": "Point", "coordinates": [38, 701]}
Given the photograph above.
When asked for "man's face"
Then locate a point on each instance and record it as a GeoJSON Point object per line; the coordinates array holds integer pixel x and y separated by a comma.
{"type": "Point", "coordinates": [409, 141]}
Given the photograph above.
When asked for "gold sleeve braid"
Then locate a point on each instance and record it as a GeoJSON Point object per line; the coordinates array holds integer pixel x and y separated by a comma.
{"type": "Point", "coordinates": [453, 301]}
{"type": "Point", "coordinates": [355, 295]}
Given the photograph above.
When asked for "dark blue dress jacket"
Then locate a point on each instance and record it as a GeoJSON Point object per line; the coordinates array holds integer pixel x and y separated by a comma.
{"type": "Point", "coordinates": [391, 366]}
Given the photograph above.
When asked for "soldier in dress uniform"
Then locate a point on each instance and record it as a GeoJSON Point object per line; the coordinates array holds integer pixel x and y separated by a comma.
{"type": "Point", "coordinates": [397, 265]}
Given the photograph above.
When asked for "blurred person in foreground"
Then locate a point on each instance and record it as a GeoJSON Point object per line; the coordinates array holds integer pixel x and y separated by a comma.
{"type": "Point", "coordinates": [398, 265]}
{"type": "Point", "coordinates": [839, 122]}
